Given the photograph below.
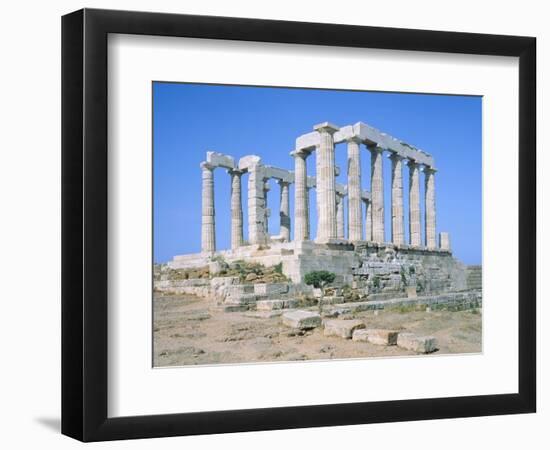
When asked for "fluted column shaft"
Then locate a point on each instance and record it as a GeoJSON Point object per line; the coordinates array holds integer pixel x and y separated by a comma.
{"type": "Point", "coordinates": [397, 230]}
{"type": "Point", "coordinates": [429, 211]}
{"type": "Point", "coordinates": [284, 212]}
{"type": "Point", "coordinates": [415, 234]}
{"type": "Point", "coordinates": [236, 209]}
{"type": "Point", "coordinates": [340, 232]}
{"type": "Point", "coordinates": [326, 184]}
{"type": "Point", "coordinates": [266, 210]}
{"type": "Point", "coordinates": [368, 220]}
{"type": "Point", "coordinates": [256, 205]}
{"type": "Point", "coordinates": [300, 197]}
{"type": "Point", "coordinates": [355, 221]}
{"type": "Point", "coordinates": [208, 228]}
{"type": "Point", "coordinates": [377, 194]}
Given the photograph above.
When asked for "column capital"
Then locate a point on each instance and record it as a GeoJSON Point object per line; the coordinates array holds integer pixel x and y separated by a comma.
{"type": "Point", "coordinates": [355, 139]}
{"type": "Point", "coordinates": [206, 166]}
{"type": "Point", "coordinates": [429, 169]}
{"type": "Point", "coordinates": [302, 153]}
{"type": "Point", "coordinates": [396, 156]}
{"type": "Point", "coordinates": [283, 183]}
{"type": "Point", "coordinates": [326, 127]}
{"type": "Point", "coordinates": [235, 171]}
{"type": "Point", "coordinates": [412, 163]}
{"type": "Point", "coordinates": [375, 148]}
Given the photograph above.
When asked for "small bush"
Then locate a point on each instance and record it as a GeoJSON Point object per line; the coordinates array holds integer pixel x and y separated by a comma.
{"type": "Point", "coordinates": [319, 279]}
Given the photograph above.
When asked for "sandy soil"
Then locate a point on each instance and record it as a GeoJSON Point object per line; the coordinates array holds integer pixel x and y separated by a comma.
{"type": "Point", "coordinates": [187, 331]}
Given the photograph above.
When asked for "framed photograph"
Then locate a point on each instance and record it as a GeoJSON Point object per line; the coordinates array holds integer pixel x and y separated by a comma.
{"type": "Point", "coordinates": [273, 224]}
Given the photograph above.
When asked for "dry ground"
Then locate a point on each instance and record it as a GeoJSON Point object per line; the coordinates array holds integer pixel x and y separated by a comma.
{"type": "Point", "coordinates": [187, 331]}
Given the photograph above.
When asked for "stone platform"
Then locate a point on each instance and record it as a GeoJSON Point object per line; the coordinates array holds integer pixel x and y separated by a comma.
{"type": "Point", "coordinates": [392, 267]}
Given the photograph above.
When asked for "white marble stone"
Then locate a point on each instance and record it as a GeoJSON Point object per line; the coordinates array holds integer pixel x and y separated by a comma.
{"type": "Point", "coordinates": [418, 344]}
{"type": "Point", "coordinates": [341, 328]}
{"type": "Point", "coordinates": [398, 234]}
{"type": "Point", "coordinates": [208, 228]}
{"type": "Point", "coordinates": [415, 236]}
{"type": "Point", "coordinates": [284, 211]}
{"type": "Point", "coordinates": [377, 194]}
{"type": "Point", "coordinates": [355, 220]}
{"type": "Point", "coordinates": [429, 221]}
{"type": "Point", "coordinates": [326, 183]}
{"type": "Point", "coordinates": [236, 209]}
{"type": "Point", "coordinates": [303, 320]}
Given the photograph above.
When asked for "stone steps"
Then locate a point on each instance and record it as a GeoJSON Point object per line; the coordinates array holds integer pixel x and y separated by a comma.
{"type": "Point", "coordinates": [457, 299]}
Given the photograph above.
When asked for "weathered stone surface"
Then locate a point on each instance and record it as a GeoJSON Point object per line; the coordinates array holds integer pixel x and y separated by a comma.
{"type": "Point", "coordinates": [302, 320]}
{"type": "Point", "coordinates": [272, 288]}
{"type": "Point", "coordinates": [268, 305]}
{"type": "Point", "coordinates": [376, 336]}
{"type": "Point", "coordinates": [410, 291]}
{"type": "Point", "coordinates": [419, 344]}
{"type": "Point", "coordinates": [414, 205]}
{"type": "Point", "coordinates": [429, 194]}
{"type": "Point", "coordinates": [341, 328]}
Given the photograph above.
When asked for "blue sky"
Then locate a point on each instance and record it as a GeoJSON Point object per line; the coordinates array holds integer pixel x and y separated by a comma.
{"type": "Point", "coordinates": [190, 119]}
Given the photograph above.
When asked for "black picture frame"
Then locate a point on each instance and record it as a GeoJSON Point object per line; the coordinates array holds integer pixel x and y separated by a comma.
{"type": "Point", "coordinates": [84, 224]}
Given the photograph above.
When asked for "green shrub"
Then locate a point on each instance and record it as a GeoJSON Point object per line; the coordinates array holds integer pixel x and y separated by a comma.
{"type": "Point", "coordinates": [319, 279]}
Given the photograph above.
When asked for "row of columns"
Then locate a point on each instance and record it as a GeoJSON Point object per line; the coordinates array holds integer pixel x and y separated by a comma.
{"type": "Point", "coordinates": [330, 207]}
{"type": "Point", "coordinates": [330, 203]}
{"type": "Point", "coordinates": [258, 213]}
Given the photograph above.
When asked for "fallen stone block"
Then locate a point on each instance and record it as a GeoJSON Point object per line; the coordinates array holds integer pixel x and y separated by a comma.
{"type": "Point", "coordinates": [419, 344]}
{"type": "Point", "coordinates": [377, 337]}
{"type": "Point", "coordinates": [342, 328]}
{"type": "Point", "coordinates": [273, 305]}
{"type": "Point", "coordinates": [272, 288]}
{"type": "Point", "coordinates": [263, 314]}
{"type": "Point", "coordinates": [269, 305]}
{"type": "Point", "coordinates": [302, 320]}
{"type": "Point", "coordinates": [243, 299]}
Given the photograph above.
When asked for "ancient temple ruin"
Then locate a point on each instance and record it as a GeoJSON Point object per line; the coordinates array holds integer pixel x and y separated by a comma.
{"type": "Point", "coordinates": [343, 250]}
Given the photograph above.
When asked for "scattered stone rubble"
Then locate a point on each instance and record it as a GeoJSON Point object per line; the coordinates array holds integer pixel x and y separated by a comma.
{"type": "Point", "coordinates": [355, 329]}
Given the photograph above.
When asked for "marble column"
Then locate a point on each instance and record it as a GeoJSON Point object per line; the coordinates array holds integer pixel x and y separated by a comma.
{"type": "Point", "coordinates": [355, 221]}
{"type": "Point", "coordinates": [300, 196]}
{"type": "Point", "coordinates": [340, 233]}
{"type": "Point", "coordinates": [429, 212]}
{"type": "Point", "coordinates": [444, 241]}
{"type": "Point", "coordinates": [415, 235]}
{"type": "Point", "coordinates": [266, 209]}
{"type": "Point", "coordinates": [208, 228]}
{"type": "Point", "coordinates": [377, 194]}
{"type": "Point", "coordinates": [397, 229]}
{"type": "Point", "coordinates": [308, 222]}
{"type": "Point", "coordinates": [326, 183]}
{"type": "Point", "coordinates": [284, 212]}
{"type": "Point", "coordinates": [256, 205]}
{"type": "Point", "coordinates": [368, 220]}
{"type": "Point", "coordinates": [236, 209]}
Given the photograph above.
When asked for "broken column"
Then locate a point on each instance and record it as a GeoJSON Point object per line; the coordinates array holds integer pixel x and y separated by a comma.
{"type": "Point", "coordinates": [236, 209]}
{"type": "Point", "coordinates": [285, 210]}
{"type": "Point", "coordinates": [326, 182]}
{"type": "Point", "coordinates": [397, 231]}
{"type": "Point", "coordinates": [355, 221]}
{"type": "Point", "coordinates": [414, 205]}
{"type": "Point", "coordinates": [208, 228]}
{"type": "Point", "coordinates": [429, 212]}
{"type": "Point", "coordinates": [377, 194]}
